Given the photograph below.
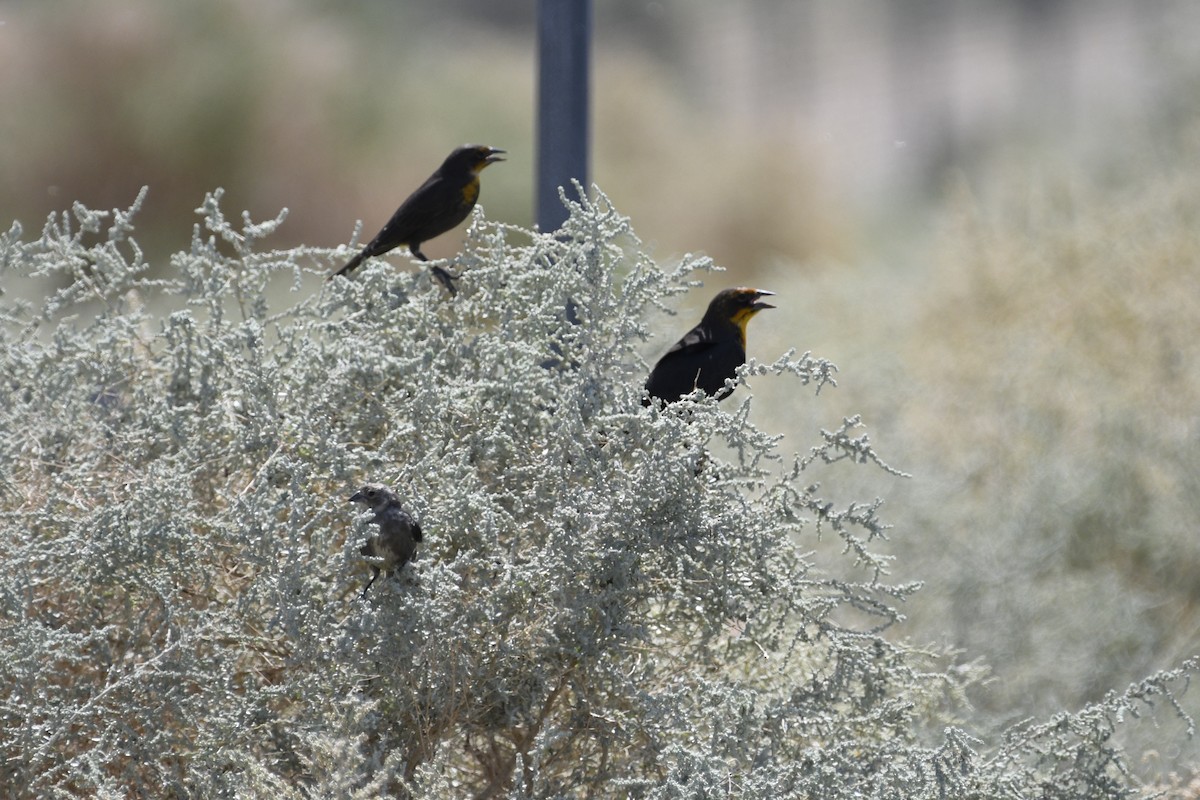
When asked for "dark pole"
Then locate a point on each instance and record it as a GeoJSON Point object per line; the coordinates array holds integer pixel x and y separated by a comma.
{"type": "Point", "coordinates": [564, 45]}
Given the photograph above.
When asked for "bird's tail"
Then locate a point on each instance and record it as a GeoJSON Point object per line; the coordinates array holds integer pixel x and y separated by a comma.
{"type": "Point", "coordinates": [351, 264]}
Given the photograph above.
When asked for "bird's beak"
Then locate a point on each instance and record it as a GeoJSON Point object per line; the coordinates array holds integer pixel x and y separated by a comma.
{"type": "Point", "coordinates": [492, 157]}
{"type": "Point", "coordinates": [357, 496]}
{"type": "Point", "coordinates": [759, 305]}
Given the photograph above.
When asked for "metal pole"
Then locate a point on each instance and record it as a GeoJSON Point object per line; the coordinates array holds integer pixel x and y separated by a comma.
{"type": "Point", "coordinates": [564, 45]}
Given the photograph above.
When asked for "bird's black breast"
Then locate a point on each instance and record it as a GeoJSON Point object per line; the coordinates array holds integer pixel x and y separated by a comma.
{"type": "Point", "coordinates": [699, 361]}
{"type": "Point", "coordinates": [439, 205]}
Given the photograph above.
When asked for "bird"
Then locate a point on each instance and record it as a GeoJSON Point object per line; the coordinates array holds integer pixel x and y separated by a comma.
{"type": "Point", "coordinates": [441, 203]}
{"type": "Point", "coordinates": [398, 535]}
{"type": "Point", "coordinates": [709, 353]}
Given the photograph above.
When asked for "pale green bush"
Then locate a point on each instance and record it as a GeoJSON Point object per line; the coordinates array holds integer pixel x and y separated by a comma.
{"type": "Point", "coordinates": [611, 600]}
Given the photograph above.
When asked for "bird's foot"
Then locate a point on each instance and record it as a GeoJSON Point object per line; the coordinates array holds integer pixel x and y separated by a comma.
{"type": "Point", "coordinates": [446, 279]}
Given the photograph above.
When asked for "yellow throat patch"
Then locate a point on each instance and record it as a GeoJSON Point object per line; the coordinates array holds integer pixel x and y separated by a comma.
{"type": "Point", "coordinates": [471, 191]}
{"type": "Point", "coordinates": [741, 318]}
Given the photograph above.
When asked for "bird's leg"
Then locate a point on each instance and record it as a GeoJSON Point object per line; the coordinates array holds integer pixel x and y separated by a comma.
{"type": "Point", "coordinates": [446, 279]}
{"type": "Point", "coordinates": [374, 575]}
{"type": "Point", "coordinates": [443, 275]}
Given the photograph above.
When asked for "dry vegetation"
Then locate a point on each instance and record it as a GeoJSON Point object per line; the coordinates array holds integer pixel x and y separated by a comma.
{"type": "Point", "coordinates": [1036, 364]}
{"type": "Point", "coordinates": [1056, 413]}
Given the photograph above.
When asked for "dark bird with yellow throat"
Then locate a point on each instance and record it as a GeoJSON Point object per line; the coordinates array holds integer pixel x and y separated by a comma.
{"type": "Point", "coordinates": [441, 203]}
{"type": "Point", "coordinates": [710, 353]}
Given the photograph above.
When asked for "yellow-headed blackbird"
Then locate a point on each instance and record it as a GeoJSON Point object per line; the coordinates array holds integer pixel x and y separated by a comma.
{"type": "Point", "coordinates": [711, 352]}
{"type": "Point", "coordinates": [398, 533]}
{"type": "Point", "coordinates": [442, 202]}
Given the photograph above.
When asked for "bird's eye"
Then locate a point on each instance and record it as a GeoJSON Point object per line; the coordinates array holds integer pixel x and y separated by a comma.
{"type": "Point", "coordinates": [371, 492]}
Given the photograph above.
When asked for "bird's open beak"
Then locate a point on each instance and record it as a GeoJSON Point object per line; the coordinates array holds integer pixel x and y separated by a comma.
{"type": "Point", "coordinates": [492, 157]}
{"type": "Point", "coordinates": [759, 305]}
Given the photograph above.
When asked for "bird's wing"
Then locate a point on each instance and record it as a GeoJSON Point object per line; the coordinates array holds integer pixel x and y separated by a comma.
{"type": "Point", "coordinates": [397, 521]}
{"type": "Point", "coordinates": [697, 340]}
{"type": "Point", "coordinates": [413, 216]}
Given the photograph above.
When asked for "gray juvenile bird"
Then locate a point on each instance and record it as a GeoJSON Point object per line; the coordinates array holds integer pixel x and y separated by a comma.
{"type": "Point", "coordinates": [398, 531]}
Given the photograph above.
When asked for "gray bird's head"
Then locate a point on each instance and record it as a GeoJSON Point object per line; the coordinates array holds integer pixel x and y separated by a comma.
{"type": "Point", "coordinates": [374, 496]}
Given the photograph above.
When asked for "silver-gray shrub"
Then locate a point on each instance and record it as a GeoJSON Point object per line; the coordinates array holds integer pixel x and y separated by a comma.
{"type": "Point", "coordinates": [611, 600]}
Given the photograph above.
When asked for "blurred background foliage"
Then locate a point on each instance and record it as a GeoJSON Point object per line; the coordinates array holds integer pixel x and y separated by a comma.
{"type": "Point", "coordinates": [985, 213]}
